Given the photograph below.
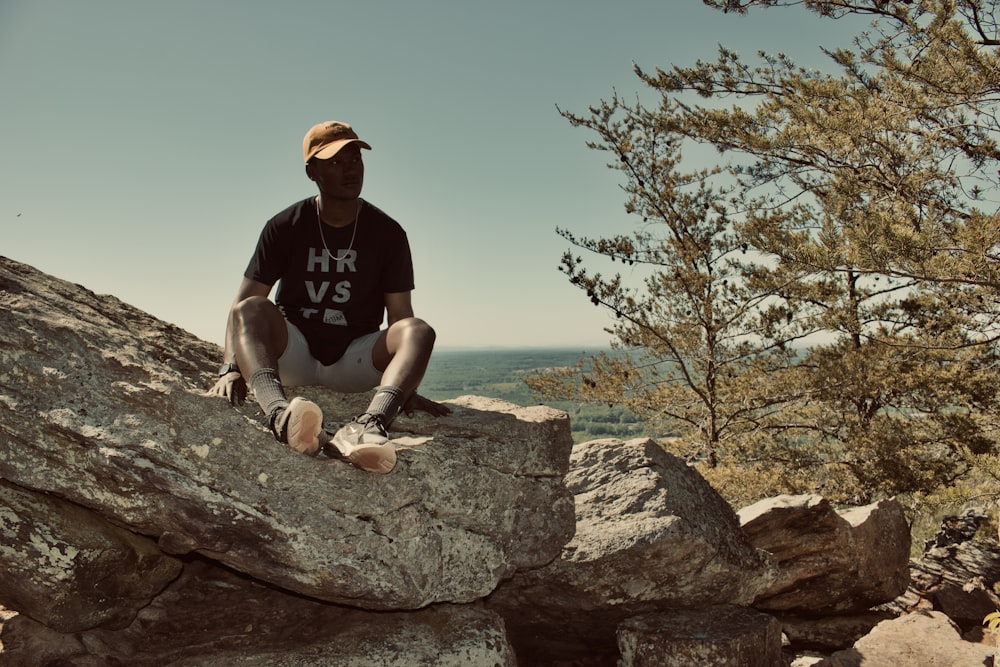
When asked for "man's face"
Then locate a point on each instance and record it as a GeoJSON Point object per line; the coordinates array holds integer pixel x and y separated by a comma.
{"type": "Point", "coordinates": [341, 176]}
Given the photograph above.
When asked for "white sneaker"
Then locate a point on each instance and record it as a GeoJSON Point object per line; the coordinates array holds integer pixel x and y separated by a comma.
{"type": "Point", "coordinates": [299, 426]}
{"type": "Point", "coordinates": [365, 443]}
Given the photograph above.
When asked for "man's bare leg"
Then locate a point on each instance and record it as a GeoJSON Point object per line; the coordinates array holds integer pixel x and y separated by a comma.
{"type": "Point", "coordinates": [260, 336]}
{"type": "Point", "coordinates": [403, 352]}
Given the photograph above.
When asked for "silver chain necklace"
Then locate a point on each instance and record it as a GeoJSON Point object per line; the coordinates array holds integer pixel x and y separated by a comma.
{"type": "Point", "coordinates": [319, 220]}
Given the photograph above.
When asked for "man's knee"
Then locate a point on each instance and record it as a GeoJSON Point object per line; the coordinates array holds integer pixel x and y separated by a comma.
{"type": "Point", "coordinates": [258, 319]}
{"type": "Point", "coordinates": [252, 310]}
{"type": "Point", "coordinates": [417, 332]}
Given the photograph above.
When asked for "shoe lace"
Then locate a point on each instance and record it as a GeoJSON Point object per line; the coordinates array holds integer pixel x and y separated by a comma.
{"type": "Point", "coordinates": [373, 423]}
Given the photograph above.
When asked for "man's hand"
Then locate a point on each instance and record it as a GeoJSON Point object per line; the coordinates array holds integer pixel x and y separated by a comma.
{"type": "Point", "coordinates": [417, 402]}
{"type": "Point", "coordinates": [231, 386]}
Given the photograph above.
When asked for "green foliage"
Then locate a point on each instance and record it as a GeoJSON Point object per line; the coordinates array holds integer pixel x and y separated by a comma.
{"type": "Point", "coordinates": [820, 308]}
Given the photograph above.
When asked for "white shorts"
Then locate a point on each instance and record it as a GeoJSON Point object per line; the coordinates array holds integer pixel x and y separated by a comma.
{"type": "Point", "coordinates": [352, 373]}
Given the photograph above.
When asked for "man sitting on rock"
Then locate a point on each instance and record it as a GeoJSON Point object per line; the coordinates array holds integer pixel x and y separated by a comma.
{"type": "Point", "coordinates": [341, 265]}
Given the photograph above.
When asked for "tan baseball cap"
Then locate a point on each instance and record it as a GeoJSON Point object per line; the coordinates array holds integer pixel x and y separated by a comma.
{"type": "Point", "coordinates": [325, 139]}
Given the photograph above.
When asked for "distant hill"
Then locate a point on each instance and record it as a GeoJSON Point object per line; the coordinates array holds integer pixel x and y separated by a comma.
{"type": "Point", "coordinates": [493, 372]}
{"type": "Point", "coordinates": [500, 372]}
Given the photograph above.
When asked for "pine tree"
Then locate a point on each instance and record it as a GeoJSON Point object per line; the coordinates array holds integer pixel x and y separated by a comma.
{"type": "Point", "coordinates": [855, 211]}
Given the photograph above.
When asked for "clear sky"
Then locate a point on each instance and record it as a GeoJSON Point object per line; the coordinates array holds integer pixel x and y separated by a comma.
{"type": "Point", "coordinates": [143, 144]}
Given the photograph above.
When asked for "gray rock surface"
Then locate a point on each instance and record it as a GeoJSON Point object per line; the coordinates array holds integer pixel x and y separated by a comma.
{"type": "Point", "coordinates": [69, 569]}
{"type": "Point", "coordinates": [104, 406]}
{"type": "Point", "coordinates": [651, 535]}
{"type": "Point", "coordinates": [211, 616]}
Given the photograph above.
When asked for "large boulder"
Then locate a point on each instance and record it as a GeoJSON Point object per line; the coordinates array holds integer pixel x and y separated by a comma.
{"type": "Point", "coordinates": [213, 616]}
{"type": "Point", "coordinates": [721, 636]}
{"type": "Point", "coordinates": [104, 406]}
{"type": "Point", "coordinates": [71, 570]}
{"type": "Point", "coordinates": [928, 639]}
{"type": "Point", "coordinates": [829, 633]}
{"type": "Point", "coordinates": [829, 562]}
{"type": "Point", "coordinates": [957, 573]}
{"type": "Point", "coordinates": [651, 535]}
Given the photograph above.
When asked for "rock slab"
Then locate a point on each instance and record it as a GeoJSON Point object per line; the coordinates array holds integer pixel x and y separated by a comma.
{"type": "Point", "coordinates": [70, 570]}
{"type": "Point", "coordinates": [721, 636]}
{"type": "Point", "coordinates": [829, 563]}
{"type": "Point", "coordinates": [105, 407]}
{"type": "Point", "coordinates": [651, 535]}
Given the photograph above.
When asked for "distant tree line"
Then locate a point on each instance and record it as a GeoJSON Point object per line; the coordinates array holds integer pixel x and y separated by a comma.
{"type": "Point", "coordinates": [819, 310]}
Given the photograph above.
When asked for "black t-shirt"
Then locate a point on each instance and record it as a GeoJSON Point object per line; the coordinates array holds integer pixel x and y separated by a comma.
{"type": "Point", "coordinates": [332, 302]}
